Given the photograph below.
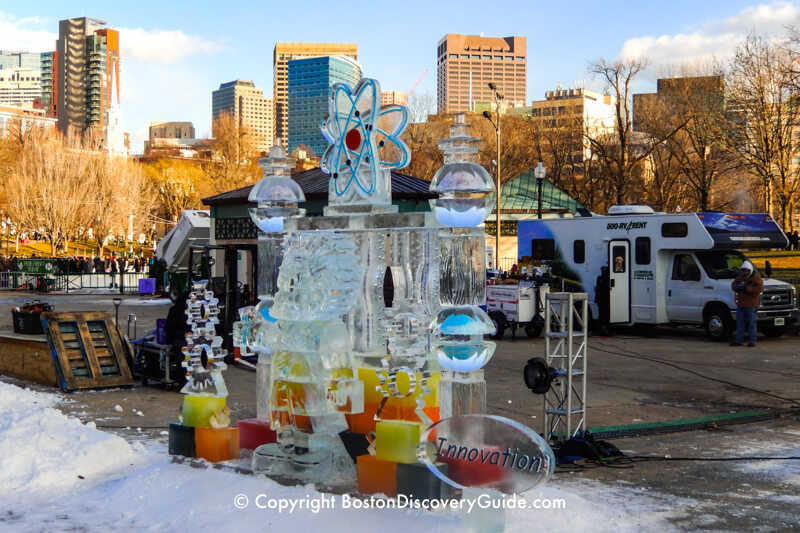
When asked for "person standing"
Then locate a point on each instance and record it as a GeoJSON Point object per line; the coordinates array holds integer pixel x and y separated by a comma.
{"type": "Point", "coordinates": [113, 268]}
{"type": "Point", "coordinates": [748, 287]}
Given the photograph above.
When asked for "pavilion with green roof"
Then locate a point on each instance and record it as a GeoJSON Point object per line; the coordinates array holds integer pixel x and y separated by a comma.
{"type": "Point", "coordinates": [519, 200]}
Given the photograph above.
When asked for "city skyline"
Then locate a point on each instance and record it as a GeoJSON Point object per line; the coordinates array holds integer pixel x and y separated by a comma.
{"type": "Point", "coordinates": [172, 58]}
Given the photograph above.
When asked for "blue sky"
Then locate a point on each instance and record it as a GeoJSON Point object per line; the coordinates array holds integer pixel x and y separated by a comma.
{"type": "Point", "coordinates": [176, 52]}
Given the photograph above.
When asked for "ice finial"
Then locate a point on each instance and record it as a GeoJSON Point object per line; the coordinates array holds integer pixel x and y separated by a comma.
{"type": "Point", "coordinates": [463, 185]}
{"type": "Point", "coordinates": [277, 194]}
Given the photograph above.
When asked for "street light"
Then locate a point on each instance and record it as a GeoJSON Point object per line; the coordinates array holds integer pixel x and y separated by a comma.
{"type": "Point", "coordinates": [539, 172]}
{"type": "Point", "coordinates": [497, 97]}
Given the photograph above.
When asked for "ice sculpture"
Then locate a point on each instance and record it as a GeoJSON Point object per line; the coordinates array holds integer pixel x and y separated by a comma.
{"type": "Point", "coordinates": [365, 144]}
{"type": "Point", "coordinates": [463, 185]}
{"type": "Point", "coordinates": [203, 431]}
{"type": "Point", "coordinates": [464, 201]}
{"type": "Point", "coordinates": [277, 194]}
{"type": "Point", "coordinates": [312, 383]}
{"type": "Point", "coordinates": [202, 310]}
{"type": "Point", "coordinates": [375, 328]}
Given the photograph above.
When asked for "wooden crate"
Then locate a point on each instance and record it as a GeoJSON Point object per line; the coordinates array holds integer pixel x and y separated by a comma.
{"type": "Point", "coordinates": [88, 350]}
{"type": "Point", "coordinates": [28, 357]}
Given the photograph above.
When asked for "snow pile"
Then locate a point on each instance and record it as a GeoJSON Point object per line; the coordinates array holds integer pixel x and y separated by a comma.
{"type": "Point", "coordinates": [56, 473]}
{"type": "Point", "coordinates": [42, 449]}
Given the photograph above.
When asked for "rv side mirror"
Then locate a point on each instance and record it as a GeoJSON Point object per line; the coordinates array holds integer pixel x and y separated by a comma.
{"type": "Point", "coordinates": [768, 269]}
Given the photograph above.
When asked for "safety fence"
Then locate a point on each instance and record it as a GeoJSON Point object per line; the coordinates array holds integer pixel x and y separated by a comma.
{"type": "Point", "coordinates": [125, 282]}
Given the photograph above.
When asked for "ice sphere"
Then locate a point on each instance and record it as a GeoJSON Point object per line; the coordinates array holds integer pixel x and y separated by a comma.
{"type": "Point", "coordinates": [460, 345]}
{"type": "Point", "coordinates": [465, 197]}
{"type": "Point", "coordinates": [462, 357]}
{"type": "Point", "coordinates": [463, 321]}
{"type": "Point", "coordinates": [277, 194]}
{"type": "Point", "coordinates": [464, 187]}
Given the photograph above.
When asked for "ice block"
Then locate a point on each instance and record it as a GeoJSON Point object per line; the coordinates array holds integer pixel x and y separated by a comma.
{"type": "Point", "coordinates": [254, 432]}
{"type": "Point", "coordinates": [376, 476]}
{"type": "Point", "coordinates": [181, 440]}
{"type": "Point", "coordinates": [397, 440]}
{"type": "Point", "coordinates": [462, 393]}
{"type": "Point", "coordinates": [197, 410]}
{"type": "Point", "coordinates": [216, 445]}
{"type": "Point", "coordinates": [487, 518]}
{"type": "Point", "coordinates": [416, 481]}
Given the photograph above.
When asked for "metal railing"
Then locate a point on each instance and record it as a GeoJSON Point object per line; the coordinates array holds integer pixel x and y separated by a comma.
{"type": "Point", "coordinates": [126, 282]}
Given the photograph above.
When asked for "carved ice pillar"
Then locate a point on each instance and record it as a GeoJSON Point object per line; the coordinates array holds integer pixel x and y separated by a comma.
{"type": "Point", "coordinates": [277, 197]}
{"type": "Point", "coordinates": [464, 202]}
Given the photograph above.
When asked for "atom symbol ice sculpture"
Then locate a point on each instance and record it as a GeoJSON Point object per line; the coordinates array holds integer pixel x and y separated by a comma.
{"type": "Point", "coordinates": [364, 142]}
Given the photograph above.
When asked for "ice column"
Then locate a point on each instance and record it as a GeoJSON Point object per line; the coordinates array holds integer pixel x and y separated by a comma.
{"type": "Point", "coordinates": [277, 197]}
{"type": "Point", "coordinates": [464, 202]}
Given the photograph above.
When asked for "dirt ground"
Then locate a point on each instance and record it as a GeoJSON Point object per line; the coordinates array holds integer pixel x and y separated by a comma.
{"type": "Point", "coordinates": [665, 374]}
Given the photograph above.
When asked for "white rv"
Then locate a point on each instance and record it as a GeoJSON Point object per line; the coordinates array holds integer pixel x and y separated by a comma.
{"type": "Point", "coordinates": [655, 268]}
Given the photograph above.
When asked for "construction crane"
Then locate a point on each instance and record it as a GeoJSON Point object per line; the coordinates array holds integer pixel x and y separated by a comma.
{"type": "Point", "coordinates": [416, 84]}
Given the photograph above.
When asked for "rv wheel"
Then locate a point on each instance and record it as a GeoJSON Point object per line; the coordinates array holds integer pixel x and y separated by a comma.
{"type": "Point", "coordinates": [718, 323]}
{"type": "Point", "coordinates": [500, 324]}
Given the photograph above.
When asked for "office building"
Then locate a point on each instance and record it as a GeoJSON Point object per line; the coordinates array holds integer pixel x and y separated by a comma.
{"type": "Point", "coordinates": [282, 54]}
{"type": "Point", "coordinates": [579, 111]}
{"type": "Point", "coordinates": [171, 130]}
{"type": "Point", "coordinates": [466, 64]}
{"type": "Point", "coordinates": [49, 81]}
{"type": "Point", "coordinates": [247, 105]}
{"type": "Point", "coordinates": [82, 78]}
{"type": "Point", "coordinates": [310, 81]}
{"type": "Point", "coordinates": [674, 95]}
{"type": "Point", "coordinates": [393, 98]}
{"type": "Point", "coordinates": [15, 59]}
{"type": "Point", "coordinates": [19, 84]}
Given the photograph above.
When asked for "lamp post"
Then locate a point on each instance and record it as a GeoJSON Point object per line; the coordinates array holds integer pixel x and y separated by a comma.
{"type": "Point", "coordinates": [539, 172]}
{"type": "Point", "coordinates": [496, 124]}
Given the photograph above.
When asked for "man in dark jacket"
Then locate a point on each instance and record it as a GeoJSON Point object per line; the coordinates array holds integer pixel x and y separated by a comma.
{"type": "Point", "coordinates": [748, 287]}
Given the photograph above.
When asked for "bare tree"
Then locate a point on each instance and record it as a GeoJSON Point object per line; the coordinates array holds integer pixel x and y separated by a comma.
{"type": "Point", "coordinates": [121, 198]}
{"type": "Point", "coordinates": [176, 184]}
{"type": "Point", "coordinates": [234, 155]}
{"type": "Point", "coordinates": [47, 191]}
{"type": "Point", "coordinates": [619, 154]}
{"type": "Point", "coordinates": [693, 106]}
{"type": "Point", "coordinates": [763, 115]}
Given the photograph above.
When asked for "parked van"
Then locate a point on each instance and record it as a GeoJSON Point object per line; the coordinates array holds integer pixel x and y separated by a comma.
{"type": "Point", "coordinates": [642, 267]}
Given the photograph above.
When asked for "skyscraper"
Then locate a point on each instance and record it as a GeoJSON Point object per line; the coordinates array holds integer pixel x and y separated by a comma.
{"type": "Point", "coordinates": [466, 64]}
{"type": "Point", "coordinates": [285, 52]}
{"type": "Point", "coordinates": [310, 81]}
{"type": "Point", "coordinates": [248, 106]}
{"type": "Point", "coordinates": [86, 80]}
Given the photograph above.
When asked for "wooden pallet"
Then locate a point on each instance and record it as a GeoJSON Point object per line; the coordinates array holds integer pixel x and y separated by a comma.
{"type": "Point", "coordinates": [88, 350]}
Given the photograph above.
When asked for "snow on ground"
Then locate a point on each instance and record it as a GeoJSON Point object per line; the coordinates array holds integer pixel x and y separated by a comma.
{"type": "Point", "coordinates": [58, 474]}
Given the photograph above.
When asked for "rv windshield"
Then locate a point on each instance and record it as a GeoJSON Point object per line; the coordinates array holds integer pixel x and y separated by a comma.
{"type": "Point", "coordinates": [721, 264]}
